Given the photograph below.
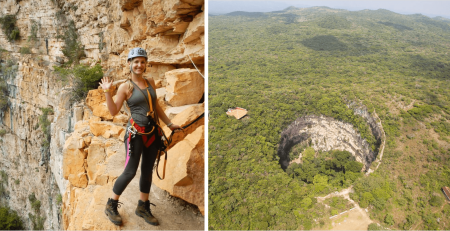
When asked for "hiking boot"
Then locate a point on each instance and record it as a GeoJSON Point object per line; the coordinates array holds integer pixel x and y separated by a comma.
{"type": "Point", "coordinates": [143, 210]}
{"type": "Point", "coordinates": [111, 211]}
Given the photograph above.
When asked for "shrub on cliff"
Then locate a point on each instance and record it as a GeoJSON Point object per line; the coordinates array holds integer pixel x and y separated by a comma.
{"type": "Point", "coordinates": [83, 78]}
{"type": "Point", "coordinates": [9, 220]}
{"type": "Point", "coordinates": [3, 95]}
{"type": "Point", "coordinates": [44, 124]}
{"type": "Point", "coordinates": [25, 50]}
{"type": "Point", "coordinates": [36, 219]}
{"type": "Point", "coordinates": [8, 23]}
{"type": "Point", "coordinates": [73, 49]}
{"type": "Point", "coordinates": [33, 31]}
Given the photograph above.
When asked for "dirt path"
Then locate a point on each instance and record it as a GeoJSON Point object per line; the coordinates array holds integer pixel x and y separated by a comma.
{"type": "Point", "coordinates": [355, 219]}
{"type": "Point", "coordinates": [172, 213]}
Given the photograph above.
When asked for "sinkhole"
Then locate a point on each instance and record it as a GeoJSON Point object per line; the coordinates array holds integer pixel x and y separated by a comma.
{"type": "Point", "coordinates": [326, 134]}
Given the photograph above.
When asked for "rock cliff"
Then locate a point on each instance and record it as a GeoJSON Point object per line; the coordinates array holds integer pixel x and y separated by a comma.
{"type": "Point", "coordinates": [70, 153]}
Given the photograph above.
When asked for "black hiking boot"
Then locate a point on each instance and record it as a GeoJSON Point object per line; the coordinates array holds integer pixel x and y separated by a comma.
{"type": "Point", "coordinates": [111, 211]}
{"type": "Point", "coordinates": [143, 210]}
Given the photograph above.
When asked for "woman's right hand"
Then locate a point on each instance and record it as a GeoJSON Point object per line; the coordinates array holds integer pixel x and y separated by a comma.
{"type": "Point", "coordinates": [106, 84]}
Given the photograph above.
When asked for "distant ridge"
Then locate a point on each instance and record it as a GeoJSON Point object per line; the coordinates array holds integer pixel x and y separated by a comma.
{"type": "Point", "coordinates": [248, 14]}
{"type": "Point", "coordinates": [225, 7]}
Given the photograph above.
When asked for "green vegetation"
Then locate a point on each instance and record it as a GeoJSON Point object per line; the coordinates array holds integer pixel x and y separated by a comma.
{"type": "Point", "coordinates": [25, 50]}
{"type": "Point", "coordinates": [44, 124]}
{"type": "Point", "coordinates": [73, 49]}
{"type": "Point", "coordinates": [84, 78]}
{"type": "Point", "coordinates": [58, 199]}
{"type": "Point", "coordinates": [9, 220]}
{"type": "Point", "coordinates": [3, 183]}
{"type": "Point", "coordinates": [328, 172]}
{"type": "Point", "coordinates": [101, 43]}
{"type": "Point", "coordinates": [8, 24]}
{"type": "Point", "coordinates": [2, 132]}
{"type": "Point", "coordinates": [33, 31]}
{"type": "Point", "coordinates": [285, 65]}
{"type": "Point", "coordinates": [436, 201]}
{"type": "Point", "coordinates": [3, 95]}
{"type": "Point", "coordinates": [9, 69]}
{"type": "Point", "coordinates": [4, 176]}
{"type": "Point", "coordinates": [338, 204]}
{"type": "Point", "coordinates": [36, 218]}
{"type": "Point", "coordinates": [389, 219]}
{"type": "Point", "coordinates": [374, 226]}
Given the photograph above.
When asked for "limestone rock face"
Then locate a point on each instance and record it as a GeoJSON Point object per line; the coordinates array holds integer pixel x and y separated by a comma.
{"type": "Point", "coordinates": [182, 178]}
{"type": "Point", "coordinates": [184, 86]}
{"type": "Point", "coordinates": [186, 117]}
{"type": "Point", "coordinates": [85, 153]}
{"type": "Point", "coordinates": [96, 101]}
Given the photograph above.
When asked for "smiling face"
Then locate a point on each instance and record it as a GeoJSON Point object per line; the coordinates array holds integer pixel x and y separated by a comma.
{"type": "Point", "coordinates": [138, 65]}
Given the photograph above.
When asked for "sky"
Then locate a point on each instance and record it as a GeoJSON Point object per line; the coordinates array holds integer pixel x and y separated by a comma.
{"type": "Point", "coordinates": [428, 8]}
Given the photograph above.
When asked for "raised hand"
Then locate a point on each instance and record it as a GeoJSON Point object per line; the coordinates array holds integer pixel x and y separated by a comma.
{"type": "Point", "coordinates": [106, 83]}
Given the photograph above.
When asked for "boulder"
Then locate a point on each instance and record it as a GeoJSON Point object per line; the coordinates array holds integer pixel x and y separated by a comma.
{"type": "Point", "coordinates": [157, 73]}
{"type": "Point", "coordinates": [161, 94]}
{"type": "Point", "coordinates": [73, 162]}
{"type": "Point", "coordinates": [184, 118]}
{"type": "Point", "coordinates": [184, 175]}
{"type": "Point", "coordinates": [78, 180]}
{"type": "Point", "coordinates": [96, 101]}
{"type": "Point", "coordinates": [184, 86]}
{"type": "Point", "coordinates": [96, 156]}
{"type": "Point", "coordinates": [105, 129]}
{"type": "Point", "coordinates": [195, 29]}
{"type": "Point", "coordinates": [171, 112]}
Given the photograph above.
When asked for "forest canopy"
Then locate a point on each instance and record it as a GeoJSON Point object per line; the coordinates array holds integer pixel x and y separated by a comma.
{"type": "Point", "coordinates": [284, 65]}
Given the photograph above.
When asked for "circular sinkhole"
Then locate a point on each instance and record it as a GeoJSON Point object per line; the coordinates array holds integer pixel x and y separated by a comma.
{"type": "Point", "coordinates": [325, 134]}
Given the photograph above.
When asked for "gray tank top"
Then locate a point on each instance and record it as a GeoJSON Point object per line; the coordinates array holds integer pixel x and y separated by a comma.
{"type": "Point", "coordinates": [139, 107]}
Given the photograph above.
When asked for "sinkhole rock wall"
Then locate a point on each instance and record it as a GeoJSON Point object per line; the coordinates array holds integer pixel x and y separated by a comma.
{"type": "Point", "coordinates": [328, 134]}
{"type": "Point", "coordinates": [80, 155]}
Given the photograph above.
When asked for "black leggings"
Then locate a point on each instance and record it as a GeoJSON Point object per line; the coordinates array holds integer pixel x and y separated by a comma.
{"type": "Point", "coordinates": [131, 163]}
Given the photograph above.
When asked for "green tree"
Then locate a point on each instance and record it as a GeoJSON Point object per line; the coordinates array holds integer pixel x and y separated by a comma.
{"type": "Point", "coordinates": [373, 226]}
{"type": "Point", "coordinates": [306, 202]}
{"type": "Point", "coordinates": [320, 182]}
{"type": "Point", "coordinates": [389, 219]}
{"type": "Point", "coordinates": [9, 220]}
{"type": "Point", "coordinates": [436, 201]}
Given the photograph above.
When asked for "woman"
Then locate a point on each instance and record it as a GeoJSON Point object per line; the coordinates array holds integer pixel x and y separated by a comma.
{"type": "Point", "coordinates": [142, 132]}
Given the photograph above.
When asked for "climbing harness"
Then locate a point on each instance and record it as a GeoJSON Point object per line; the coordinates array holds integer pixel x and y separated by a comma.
{"type": "Point", "coordinates": [164, 141]}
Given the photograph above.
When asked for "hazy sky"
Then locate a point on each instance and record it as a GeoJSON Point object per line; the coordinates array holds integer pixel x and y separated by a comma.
{"type": "Point", "coordinates": [429, 8]}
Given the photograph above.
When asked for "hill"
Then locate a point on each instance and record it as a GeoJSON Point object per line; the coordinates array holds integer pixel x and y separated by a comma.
{"type": "Point", "coordinates": [283, 66]}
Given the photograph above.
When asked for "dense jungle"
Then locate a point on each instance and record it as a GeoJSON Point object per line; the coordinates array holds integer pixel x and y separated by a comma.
{"type": "Point", "coordinates": [284, 65]}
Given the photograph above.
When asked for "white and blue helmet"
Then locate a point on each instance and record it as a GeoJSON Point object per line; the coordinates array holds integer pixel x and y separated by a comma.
{"type": "Point", "coordinates": [137, 52]}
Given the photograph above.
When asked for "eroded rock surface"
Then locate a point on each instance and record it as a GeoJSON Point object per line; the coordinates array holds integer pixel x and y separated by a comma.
{"type": "Point", "coordinates": [85, 150]}
{"type": "Point", "coordinates": [326, 134]}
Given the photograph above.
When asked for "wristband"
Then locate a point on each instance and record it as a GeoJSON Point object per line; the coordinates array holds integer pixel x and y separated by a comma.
{"type": "Point", "coordinates": [170, 124]}
{"type": "Point", "coordinates": [106, 90]}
